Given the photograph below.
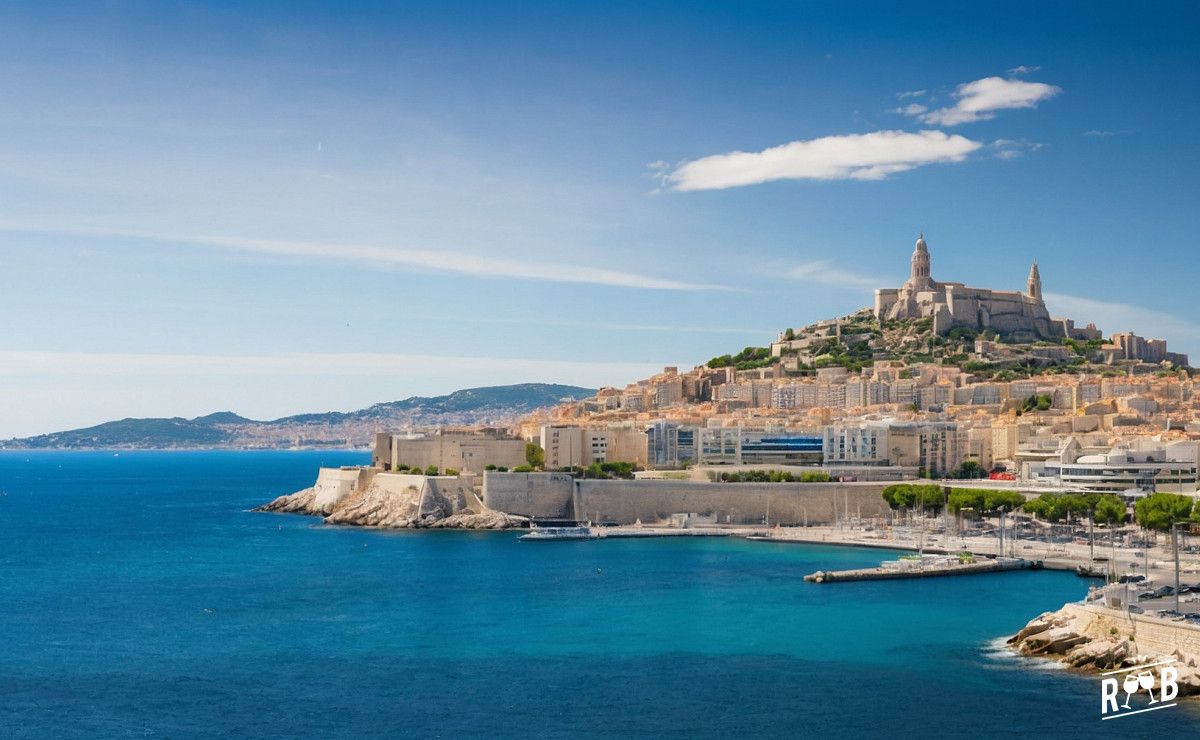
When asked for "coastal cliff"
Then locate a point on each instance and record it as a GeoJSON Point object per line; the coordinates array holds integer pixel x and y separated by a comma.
{"type": "Point", "coordinates": [368, 498]}
{"type": "Point", "coordinates": [1093, 638]}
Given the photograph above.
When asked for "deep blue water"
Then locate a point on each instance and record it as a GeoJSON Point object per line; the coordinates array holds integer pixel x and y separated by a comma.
{"type": "Point", "coordinates": [140, 598]}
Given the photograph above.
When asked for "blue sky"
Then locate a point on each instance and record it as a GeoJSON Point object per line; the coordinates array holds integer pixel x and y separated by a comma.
{"type": "Point", "coordinates": [284, 207]}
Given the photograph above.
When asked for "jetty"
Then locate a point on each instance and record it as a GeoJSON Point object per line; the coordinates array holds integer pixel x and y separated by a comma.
{"type": "Point", "coordinates": [923, 567]}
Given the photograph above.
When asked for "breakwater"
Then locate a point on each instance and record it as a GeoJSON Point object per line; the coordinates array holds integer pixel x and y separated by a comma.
{"type": "Point", "coordinates": [998, 565]}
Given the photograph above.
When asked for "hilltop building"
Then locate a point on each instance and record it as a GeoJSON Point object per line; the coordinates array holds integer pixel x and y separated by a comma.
{"type": "Point", "coordinates": [1013, 315]}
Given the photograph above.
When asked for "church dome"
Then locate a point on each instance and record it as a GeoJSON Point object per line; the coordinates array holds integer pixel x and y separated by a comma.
{"type": "Point", "coordinates": [920, 246]}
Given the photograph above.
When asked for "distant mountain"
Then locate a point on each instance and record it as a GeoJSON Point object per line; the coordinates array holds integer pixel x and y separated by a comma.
{"type": "Point", "coordinates": [472, 406]}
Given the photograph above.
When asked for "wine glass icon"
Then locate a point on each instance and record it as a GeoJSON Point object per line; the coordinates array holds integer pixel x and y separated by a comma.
{"type": "Point", "coordinates": [1146, 681]}
{"type": "Point", "coordinates": [1130, 685]}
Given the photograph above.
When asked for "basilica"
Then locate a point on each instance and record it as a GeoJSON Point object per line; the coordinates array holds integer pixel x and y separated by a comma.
{"type": "Point", "coordinates": [1015, 316]}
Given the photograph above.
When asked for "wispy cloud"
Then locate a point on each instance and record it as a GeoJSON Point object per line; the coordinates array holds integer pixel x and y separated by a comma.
{"type": "Point", "coordinates": [390, 257]}
{"type": "Point", "coordinates": [618, 326]}
{"type": "Point", "coordinates": [1116, 317]}
{"type": "Point", "coordinates": [979, 100]}
{"type": "Point", "coordinates": [1097, 132]}
{"type": "Point", "coordinates": [910, 94]}
{"type": "Point", "coordinates": [288, 364]}
{"type": "Point", "coordinates": [826, 273]}
{"type": "Point", "coordinates": [912, 109]}
{"type": "Point", "coordinates": [1013, 148]}
{"type": "Point", "coordinates": [1023, 70]}
{"type": "Point", "coordinates": [871, 156]}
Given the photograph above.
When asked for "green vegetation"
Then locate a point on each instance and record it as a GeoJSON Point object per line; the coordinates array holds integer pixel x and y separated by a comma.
{"type": "Point", "coordinates": [523, 469]}
{"type": "Point", "coordinates": [431, 470]}
{"type": "Point", "coordinates": [1036, 403]}
{"type": "Point", "coordinates": [535, 456]}
{"type": "Point", "coordinates": [1109, 510]}
{"type": "Point", "coordinates": [775, 476]}
{"type": "Point", "coordinates": [970, 469]}
{"type": "Point", "coordinates": [450, 471]}
{"type": "Point", "coordinates": [601, 471]}
{"type": "Point", "coordinates": [1103, 508]}
{"type": "Point", "coordinates": [909, 495]}
{"type": "Point", "coordinates": [1159, 511]}
{"type": "Point", "coordinates": [748, 359]}
{"type": "Point", "coordinates": [983, 501]}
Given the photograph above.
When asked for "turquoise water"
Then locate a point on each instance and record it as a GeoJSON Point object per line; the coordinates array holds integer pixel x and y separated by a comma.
{"type": "Point", "coordinates": [139, 598]}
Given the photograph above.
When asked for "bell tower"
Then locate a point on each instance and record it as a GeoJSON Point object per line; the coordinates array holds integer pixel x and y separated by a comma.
{"type": "Point", "coordinates": [1034, 283]}
{"type": "Point", "coordinates": [919, 276]}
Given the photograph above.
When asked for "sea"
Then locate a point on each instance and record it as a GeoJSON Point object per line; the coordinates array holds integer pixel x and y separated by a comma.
{"type": "Point", "coordinates": [140, 597]}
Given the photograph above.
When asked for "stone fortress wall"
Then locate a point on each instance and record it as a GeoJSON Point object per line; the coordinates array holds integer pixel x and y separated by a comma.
{"type": "Point", "coordinates": [373, 497]}
{"type": "Point", "coordinates": [559, 496]}
{"type": "Point", "coordinates": [648, 501]}
{"type": "Point", "coordinates": [1151, 633]}
{"type": "Point", "coordinates": [537, 495]}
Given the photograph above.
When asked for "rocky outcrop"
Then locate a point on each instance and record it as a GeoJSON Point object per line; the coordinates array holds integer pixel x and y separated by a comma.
{"type": "Point", "coordinates": [300, 502]}
{"type": "Point", "coordinates": [1089, 639]}
{"type": "Point", "coordinates": [394, 501]}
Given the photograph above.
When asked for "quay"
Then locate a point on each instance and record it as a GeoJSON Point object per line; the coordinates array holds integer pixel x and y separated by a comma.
{"type": "Point", "coordinates": [918, 568]}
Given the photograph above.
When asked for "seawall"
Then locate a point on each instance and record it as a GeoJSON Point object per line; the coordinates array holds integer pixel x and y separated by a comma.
{"type": "Point", "coordinates": [559, 496]}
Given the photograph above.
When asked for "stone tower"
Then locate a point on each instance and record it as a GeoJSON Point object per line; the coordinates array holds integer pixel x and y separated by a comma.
{"type": "Point", "coordinates": [919, 277]}
{"type": "Point", "coordinates": [1034, 284]}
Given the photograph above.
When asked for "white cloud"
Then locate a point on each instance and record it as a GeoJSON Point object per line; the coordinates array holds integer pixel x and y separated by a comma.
{"type": "Point", "coordinates": [1023, 70]}
{"type": "Point", "coordinates": [979, 100]}
{"type": "Point", "coordinates": [910, 94]}
{"type": "Point", "coordinates": [1181, 334]}
{"type": "Point", "coordinates": [871, 156]}
{"type": "Point", "coordinates": [1096, 132]}
{"type": "Point", "coordinates": [1013, 148]}
{"type": "Point", "coordinates": [912, 109]}
{"type": "Point", "coordinates": [826, 273]}
{"type": "Point", "coordinates": [390, 257]}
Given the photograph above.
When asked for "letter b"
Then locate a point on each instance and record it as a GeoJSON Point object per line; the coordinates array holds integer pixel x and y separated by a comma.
{"type": "Point", "coordinates": [1167, 681]}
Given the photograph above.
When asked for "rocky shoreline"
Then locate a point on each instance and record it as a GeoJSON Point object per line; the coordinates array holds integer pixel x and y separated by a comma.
{"type": "Point", "coordinates": [394, 502]}
{"type": "Point", "coordinates": [1093, 639]}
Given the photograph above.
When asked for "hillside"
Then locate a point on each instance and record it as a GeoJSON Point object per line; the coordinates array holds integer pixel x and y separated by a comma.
{"type": "Point", "coordinates": [858, 340]}
{"type": "Point", "coordinates": [471, 406]}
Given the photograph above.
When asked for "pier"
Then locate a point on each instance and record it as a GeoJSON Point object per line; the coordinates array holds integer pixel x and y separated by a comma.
{"type": "Point", "coordinates": [916, 568]}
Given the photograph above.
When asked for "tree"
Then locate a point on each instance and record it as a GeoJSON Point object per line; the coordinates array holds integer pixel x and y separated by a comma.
{"type": "Point", "coordinates": [534, 455]}
{"type": "Point", "coordinates": [970, 469]}
{"type": "Point", "coordinates": [908, 495]}
{"type": "Point", "coordinates": [1002, 501]}
{"type": "Point", "coordinates": [1074, 504]}
{"type": "Point", "coordinates": [1160, 511]}
{"type": "Point", "coordinates": [966, 498]}
{"type": "Point", "coordinates": [1048, 506]}
{"type": "Point", "coordinates": [1109, 510]}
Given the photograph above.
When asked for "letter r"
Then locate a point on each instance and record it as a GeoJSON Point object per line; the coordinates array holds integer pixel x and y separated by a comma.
{"type": "Point", "coordinates": [1108, 695]}
{"type": "Point", "coordinates": [1167, 679]}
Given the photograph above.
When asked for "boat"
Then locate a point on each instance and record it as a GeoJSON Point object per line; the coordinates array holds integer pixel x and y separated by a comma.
{"type": "Point", "coordinates": [561, 533]}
